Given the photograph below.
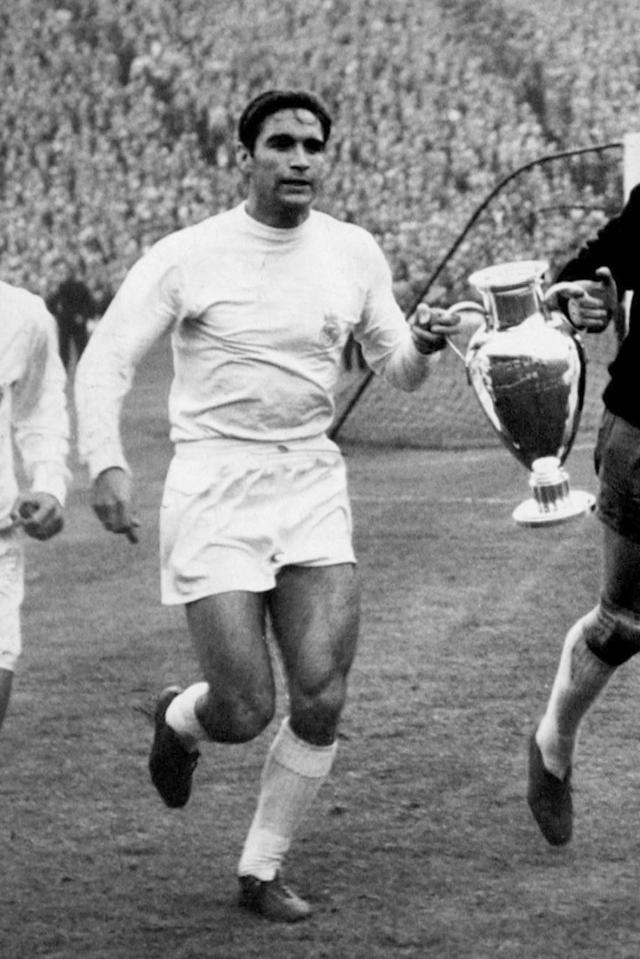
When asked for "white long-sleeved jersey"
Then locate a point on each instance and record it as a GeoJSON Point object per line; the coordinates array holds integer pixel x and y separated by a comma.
{"type": "Point", "coordinates": [33, 408]}
{"type": "Point", "coordinates": [258, 319]}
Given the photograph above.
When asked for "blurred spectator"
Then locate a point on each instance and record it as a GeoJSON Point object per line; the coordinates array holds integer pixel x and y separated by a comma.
{"type": "Point", "coordinates": [73, 306]}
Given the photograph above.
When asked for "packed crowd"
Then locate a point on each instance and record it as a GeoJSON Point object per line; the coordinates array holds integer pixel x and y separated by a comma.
{"type": "Point", "coordinates": [118, 122]}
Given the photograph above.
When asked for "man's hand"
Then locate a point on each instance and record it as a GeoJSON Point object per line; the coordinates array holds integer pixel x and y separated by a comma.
{"type": "Point", "coordinates": [591, 304]}
{"type": "Point", "coordinates": [39, 514]}
{"type": "Point", "coordinates": [430, 328]}
{"type": "Point", "coordinates": [112, 503]}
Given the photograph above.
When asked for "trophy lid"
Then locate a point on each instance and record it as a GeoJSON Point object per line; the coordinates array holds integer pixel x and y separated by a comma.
{"type": "Point", "coordinates": [512, 275]}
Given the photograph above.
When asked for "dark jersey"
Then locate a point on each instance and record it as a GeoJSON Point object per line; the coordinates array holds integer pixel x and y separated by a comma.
{"type": "Point", "coordinates": [617, 246]}
{"type": "Point", "coordinates": [72, 304]}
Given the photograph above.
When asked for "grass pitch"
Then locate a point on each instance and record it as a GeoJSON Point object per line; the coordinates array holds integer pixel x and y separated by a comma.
{"type": "Point", "coordinates": [421, 843]}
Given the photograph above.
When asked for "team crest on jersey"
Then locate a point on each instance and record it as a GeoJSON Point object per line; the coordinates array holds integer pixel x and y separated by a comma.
{"type": "Point", "coordinates": [330, 332]}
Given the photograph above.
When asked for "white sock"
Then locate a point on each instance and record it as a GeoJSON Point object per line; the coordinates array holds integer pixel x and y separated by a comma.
{"type": "Point", "coordinates": [580, 678]}
{"type": "Point", "coordinates": [292, 774]}
{"type": "Point", "coordinates": [181, 715]}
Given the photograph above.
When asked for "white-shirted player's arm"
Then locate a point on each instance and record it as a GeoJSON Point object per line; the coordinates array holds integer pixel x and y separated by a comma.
{"type": "Point", "coordinates": [143, 310]}
{"type": "Point", "coordinates": [383, 332]}
{"type": "Point", "coordinates": [39, 411]}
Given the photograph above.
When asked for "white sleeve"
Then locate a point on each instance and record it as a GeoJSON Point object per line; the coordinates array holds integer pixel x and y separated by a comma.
{"type": "Point", "coordinates": [384, 333]}
{"type": "Point", "coordinates": [39, 411]}
{"type": "Point", "coordinates": [143, 310]}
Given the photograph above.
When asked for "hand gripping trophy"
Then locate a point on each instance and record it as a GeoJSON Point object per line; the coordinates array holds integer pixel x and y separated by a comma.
{"type": "Point", "coordinates": [527, 369]}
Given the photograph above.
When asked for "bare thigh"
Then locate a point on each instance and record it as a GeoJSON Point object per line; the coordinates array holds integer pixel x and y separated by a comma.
{"type": "Point", "coordinates": [315, 617]}
{"type": "Point", "coordinates": [228, 634]}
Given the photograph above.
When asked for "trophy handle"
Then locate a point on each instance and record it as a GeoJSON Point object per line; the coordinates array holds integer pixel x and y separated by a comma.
{"type": "Point", "coordinates": [464, 306]}
{"type": "Point", "coordinates": [554, 292]}
{"type": "Point", "coordinates": [582, 385]}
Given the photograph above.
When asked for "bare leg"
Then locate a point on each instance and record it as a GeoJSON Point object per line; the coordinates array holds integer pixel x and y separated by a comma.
{"type": "Point", "coordinates": [315, 613]}
{"type": "Point", "coordinates": [315, 618]}
{"type": "Point", "coordinates": [227, 631]}
{"type": "Point", "coordinates": [594, 647]}
{"type": "Point", "coordinates": [232, 705]}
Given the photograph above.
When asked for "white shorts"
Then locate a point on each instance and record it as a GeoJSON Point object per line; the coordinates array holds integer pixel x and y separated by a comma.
{"type": "Point", "coordinates": [11, 595]}
{"type": "Point", "coordinates": [231, 518]}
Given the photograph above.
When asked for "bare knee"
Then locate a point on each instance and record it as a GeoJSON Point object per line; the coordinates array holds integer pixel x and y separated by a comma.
{"type": "Point", "coordinates": [316, 709]}
{"type": "Point", "coordinates": [612, 634]}
{"type": "Point", "coordinates": [236, 718]}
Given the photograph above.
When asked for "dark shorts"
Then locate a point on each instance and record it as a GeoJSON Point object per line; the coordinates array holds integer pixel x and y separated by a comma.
{"type": "Point", "coordinates": [617, 462]}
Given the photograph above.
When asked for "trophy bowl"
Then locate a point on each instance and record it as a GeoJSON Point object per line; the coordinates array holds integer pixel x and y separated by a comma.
{"type": "Point", "coordinates": [527, 368]}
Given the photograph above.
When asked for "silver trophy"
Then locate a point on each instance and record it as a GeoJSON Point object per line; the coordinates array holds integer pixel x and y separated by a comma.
{"type": "Point", "coordinates": [528, 372]}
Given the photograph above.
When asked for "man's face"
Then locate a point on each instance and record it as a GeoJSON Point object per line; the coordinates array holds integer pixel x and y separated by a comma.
{"type": "Point", "coordinates": [286, 168]}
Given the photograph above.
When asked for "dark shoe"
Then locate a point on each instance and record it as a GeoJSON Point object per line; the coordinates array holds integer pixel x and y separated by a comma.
{"type": "Point", "coordinates": [272, 899]}
{"type": "Point", "coordinates": [549, 798]}
{"type": "Point", "coordinates": [171, 765]}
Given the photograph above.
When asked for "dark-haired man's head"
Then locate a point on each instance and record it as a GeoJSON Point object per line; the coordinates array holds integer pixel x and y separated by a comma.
{"type": "Point", "coordinates": [281, 151]}
{"type": "Point", "coordinates": [270, 102]}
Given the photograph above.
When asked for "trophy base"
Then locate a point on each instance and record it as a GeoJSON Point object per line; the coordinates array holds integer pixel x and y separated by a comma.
{"type": "Point", "coordinates": [553, 500]}
{"type": "Point", "coordinates": [532, 513]}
